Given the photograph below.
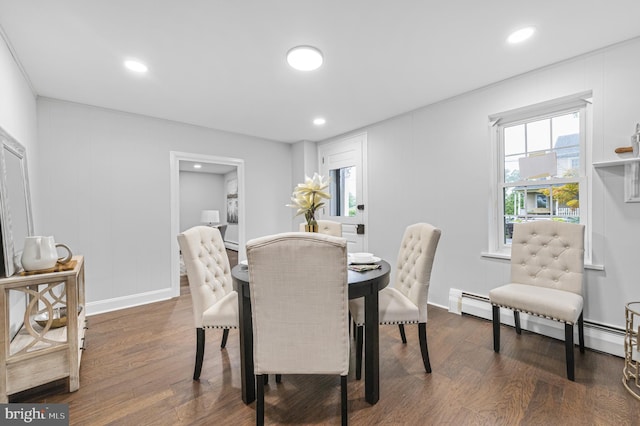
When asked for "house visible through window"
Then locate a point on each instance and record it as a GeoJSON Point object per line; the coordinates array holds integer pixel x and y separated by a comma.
{"type": "Point", "coordinates": [541, 167]}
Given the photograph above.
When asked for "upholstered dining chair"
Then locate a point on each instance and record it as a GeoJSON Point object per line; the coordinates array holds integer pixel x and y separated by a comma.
{"type": "Point", "coordinates": [299, 302]}
{"type": "Point", "coordinates": [215, 303]}
{"type": "Point", "coordinates": [328, 227]}
{"type": "Point", "coordinates": [406, 301]}
{"type": "Point", "coordinates": [547, 266]}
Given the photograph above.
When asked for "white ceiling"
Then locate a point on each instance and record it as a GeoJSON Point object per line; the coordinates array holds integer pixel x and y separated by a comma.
{"type": "Point", "coordinates": [221, 63]}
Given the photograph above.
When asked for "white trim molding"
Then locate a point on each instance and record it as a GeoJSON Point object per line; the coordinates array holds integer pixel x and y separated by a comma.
{"type": "Point", "coordinates": [117, 303]}
{"type": "Point", "coordinates": [175, 157]}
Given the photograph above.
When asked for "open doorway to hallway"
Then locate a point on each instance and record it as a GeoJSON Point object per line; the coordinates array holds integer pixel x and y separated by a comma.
{"type": "Point", "coordinates": [203, 185]}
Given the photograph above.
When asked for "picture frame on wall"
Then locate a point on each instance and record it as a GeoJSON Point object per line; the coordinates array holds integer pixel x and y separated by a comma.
{"type": "Point", "coordinates": [232, 210]}
{"type": "Point", "coordinates": [232, 201]}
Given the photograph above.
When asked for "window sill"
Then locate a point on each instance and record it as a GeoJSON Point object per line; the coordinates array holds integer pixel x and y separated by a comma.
{"type": "Point", "coordinates": [507, 256]}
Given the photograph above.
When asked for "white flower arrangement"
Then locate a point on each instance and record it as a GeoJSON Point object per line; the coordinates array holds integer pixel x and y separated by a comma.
{"type": "Point", "coordinates": [308, 197]}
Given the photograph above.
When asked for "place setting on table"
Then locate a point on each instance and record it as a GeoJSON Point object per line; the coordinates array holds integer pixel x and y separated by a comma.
{"type": "Point", "coordinates": [361, 262]}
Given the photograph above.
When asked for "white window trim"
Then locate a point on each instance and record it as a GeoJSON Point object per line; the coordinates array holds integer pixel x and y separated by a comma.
{"type": "Point", "coordinates": [582, 101]}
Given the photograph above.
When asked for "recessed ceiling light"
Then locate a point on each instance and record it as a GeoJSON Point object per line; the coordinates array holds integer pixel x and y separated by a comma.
{"type": "Point", "coordinates": [135, 66]}
{"type": "Point", "coordinates": [197, 166]}
{"type": "Point", "coordinates": [319, 121]}
{"type": "Point", "coordinates": [521, 35]}
{"type": "Point", "coordinates": [304, 58]}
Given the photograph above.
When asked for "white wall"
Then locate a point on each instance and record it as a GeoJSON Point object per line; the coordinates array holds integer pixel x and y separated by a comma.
{"type": "Point", "coordinates": [434, 165]}
{"type": "Point", "coordinates": [304, 163]}
{"type": "Point", "coordinates": [200, 191]}
{"type": "Point", "coordinates": [18, 110]}
{"type": "Point", "coordinates": [105, 179]}
{"type": "Point", "coordinates": [18, 118]}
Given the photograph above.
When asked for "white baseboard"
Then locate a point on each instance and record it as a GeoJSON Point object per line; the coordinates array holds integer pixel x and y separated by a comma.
{"type": "Point", "coordinates": [231, 245]}
{"type": "Point", "coordinates": [600, 338]}
{"type": "Point", "coordinates": [118, 303]}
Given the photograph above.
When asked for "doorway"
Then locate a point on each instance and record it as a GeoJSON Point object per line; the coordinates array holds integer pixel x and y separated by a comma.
{"type": "Point", "coordinates": [344, 161]}
{"type": "Point", "coordinates": [213, 164]}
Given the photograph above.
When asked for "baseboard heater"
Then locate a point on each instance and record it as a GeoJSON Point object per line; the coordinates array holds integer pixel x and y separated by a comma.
{"type": "Point", "coordinates": [597, 336]}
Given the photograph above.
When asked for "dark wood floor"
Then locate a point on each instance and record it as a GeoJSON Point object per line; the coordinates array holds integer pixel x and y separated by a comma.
{"type": "Point", "coordinates": [138, 370]}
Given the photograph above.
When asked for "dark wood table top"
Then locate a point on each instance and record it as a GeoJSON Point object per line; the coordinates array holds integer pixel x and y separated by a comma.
{"type": "Point", "coordinates": [359, 282]}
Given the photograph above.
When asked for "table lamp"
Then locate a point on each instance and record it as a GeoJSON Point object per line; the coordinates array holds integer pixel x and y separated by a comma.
{"type": "Point", "coordinates": [210, 217]}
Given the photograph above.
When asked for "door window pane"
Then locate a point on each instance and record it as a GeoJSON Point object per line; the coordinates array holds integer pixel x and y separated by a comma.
{"type": "Point", "coordinates": [343, 191]}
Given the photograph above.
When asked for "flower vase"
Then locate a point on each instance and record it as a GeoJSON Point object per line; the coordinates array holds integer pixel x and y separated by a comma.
{"type": "Point", "coordinates": [311, 228]}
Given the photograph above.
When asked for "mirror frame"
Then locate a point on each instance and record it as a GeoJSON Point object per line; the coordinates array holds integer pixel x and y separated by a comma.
{"type": "Point", "coordinates": [11, 259]}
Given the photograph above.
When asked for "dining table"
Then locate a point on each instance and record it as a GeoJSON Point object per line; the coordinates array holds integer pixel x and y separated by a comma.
{"type": "Point", "coordinates": [365, 284]}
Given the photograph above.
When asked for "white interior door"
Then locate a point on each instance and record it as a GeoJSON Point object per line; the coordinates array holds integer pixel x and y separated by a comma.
{"type": "Point", "coordinates": [344, 161]}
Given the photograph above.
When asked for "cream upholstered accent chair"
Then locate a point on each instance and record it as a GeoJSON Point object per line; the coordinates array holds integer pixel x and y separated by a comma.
{"type": "Point", "coordinates": [299, 303]}
{"type": "Point", "coordinates": [215, 303]}
{"type": "Point", "coordinates": [547, 265]}
{"type": "Point", "coordinates": [406, 301]}
{"type": "Point", "coordinates": [328, 227]}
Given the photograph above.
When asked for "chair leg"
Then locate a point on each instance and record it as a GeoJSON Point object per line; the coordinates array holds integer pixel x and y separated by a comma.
{"type": "Point", "coordinates": [516, 320]}
{"type": "Point", "coordinates": [259, 400]}
{"type": "Point", "coordinates": [278, 378]}
{"type": "Point", "coordinates": [568, 342]}
{"type": "Point", "coordinates": [422, 335]}
{"type": "Point", "coordinates": [225, 335]}
{"type": "Point", "coordinates": [343, 400]}
{"type": "Point", "coordinates": [199, 353]}
{"type": "Point", "coordinates": [265, 378]}
{"type": "Point", "coordinates": [496, 328]}
{"type": "Point", "coordinates": [359, 338]}
{"type": "Point", "coordinates": [581, 332]}
{"type": "Point", "coordinates": [402, 335]}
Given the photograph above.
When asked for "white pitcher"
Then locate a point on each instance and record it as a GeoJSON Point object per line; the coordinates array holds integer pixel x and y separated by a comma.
{"type": "Point", "coordinates": [41, 253]}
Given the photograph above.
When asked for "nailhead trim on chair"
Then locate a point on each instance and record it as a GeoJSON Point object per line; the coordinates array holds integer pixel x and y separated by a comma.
{"type": "Point", "coordinates": [393, 323]}
{"type": "Point", "coordinates": [219, 326]}
{"type": "Point", "coordinates": [533, 313]}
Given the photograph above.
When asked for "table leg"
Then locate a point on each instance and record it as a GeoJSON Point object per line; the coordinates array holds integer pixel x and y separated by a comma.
{"type": "Point", "coordinates": [371, 349]}
{"type": "Point", "coordinates": [247, 378]}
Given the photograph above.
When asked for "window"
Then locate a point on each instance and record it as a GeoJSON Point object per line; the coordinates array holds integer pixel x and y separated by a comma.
{"type": "Point", "coordinates": [343, 191]}
{"type": "Point", "coordinates": [541, 166]}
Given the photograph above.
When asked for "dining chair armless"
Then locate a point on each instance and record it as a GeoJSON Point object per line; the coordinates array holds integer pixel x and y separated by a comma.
{"type": "Point", "coordinates": [299, 303]}
{"type": "Point", "coordinates": [327, 227]}
{"type": "Point", "coordinates": [215, 303]}
{"type": "Point", "coordinates": [547, 267]}
{"type": "Point", "coordinates": [406, 301]}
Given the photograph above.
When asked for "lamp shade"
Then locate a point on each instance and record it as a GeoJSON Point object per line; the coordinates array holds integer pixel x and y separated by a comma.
{"type": "Point", "coordinates": [210, 216]}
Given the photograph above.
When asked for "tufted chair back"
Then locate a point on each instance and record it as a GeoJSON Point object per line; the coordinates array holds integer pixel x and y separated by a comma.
{"type": "Point", "coordinates": [327, 227]}
{"type": "Point", "coordinates": [549, 254]}
{"type": "Point", "coordinates": [415, 261]}
{"type": "Point", "coordinates": [207, 264]}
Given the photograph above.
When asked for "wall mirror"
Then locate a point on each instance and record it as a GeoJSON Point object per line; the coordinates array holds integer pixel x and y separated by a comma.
{"type": "Point", "coordinates": [16, 222]}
